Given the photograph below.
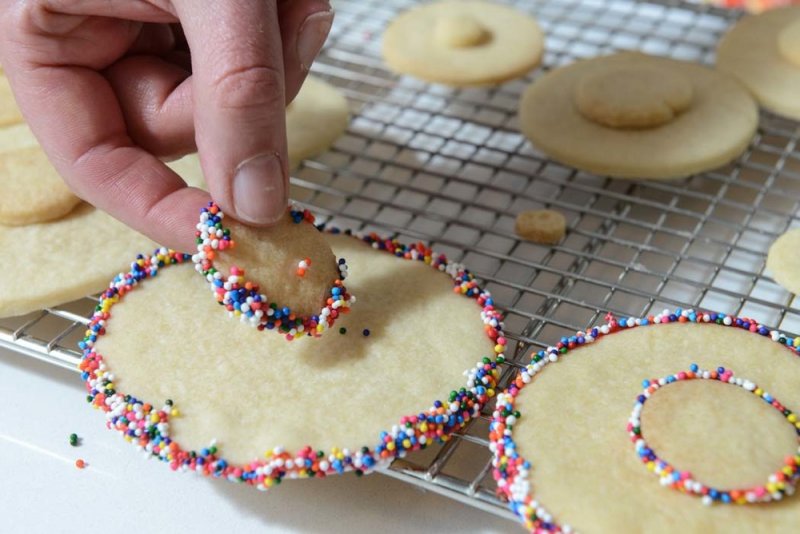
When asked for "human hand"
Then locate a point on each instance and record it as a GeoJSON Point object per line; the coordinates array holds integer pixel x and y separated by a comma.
{"type": "Point", "coordinates": [109, 87]}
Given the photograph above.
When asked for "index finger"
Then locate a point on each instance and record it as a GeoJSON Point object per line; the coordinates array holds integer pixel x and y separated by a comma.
{"type": "Point", "coordinates": [240, 123]}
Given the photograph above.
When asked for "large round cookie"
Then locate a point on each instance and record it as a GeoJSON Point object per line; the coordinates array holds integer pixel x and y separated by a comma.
{"type": "Point", "coordinates": [763, 52]}
{"type": "Point", "coordinates": [31, 190]}
{"type": "Point", "coordinates": [463, 43]}
{"type": "Point", "coordinates": [783, 260]}
{"type": "Point", "coordinates": [53, 262]}
{"type": "Point", "coordinates": [584, 397]}
{"type": "Point", "coordinates": [349, 400]}
{"type": "Point", "coordinates": [316, 118]}
{"type": "Point", "coordinates": [631, 115]}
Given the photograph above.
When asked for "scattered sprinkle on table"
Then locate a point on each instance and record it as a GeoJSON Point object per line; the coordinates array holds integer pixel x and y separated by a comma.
{"type": "Point", "coordinates": [73, 439]}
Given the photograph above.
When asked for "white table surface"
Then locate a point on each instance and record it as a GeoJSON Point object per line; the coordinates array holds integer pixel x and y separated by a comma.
{"type": "Point", "coordinates": [120, 491]}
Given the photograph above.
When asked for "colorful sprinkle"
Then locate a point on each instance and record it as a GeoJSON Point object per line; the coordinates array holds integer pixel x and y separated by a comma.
{"type": "Point", "coordinates": [780, 483]}
{"type": "Point", "coordinates": [343, 330]}
{"type": "Point", "coordinates": [512, 470]}
{"type": "Point", "coordinates": [148, 426]}
{"type": "Point", "coordinates": [243, 299]}
{"type": "Point", "coordinates": [365, 332]}
{"type": "Point", "coordinates": [73, 440]}
{"type": "Point", "coordinates": [303, 266]}
{"type": "Point", "coordinates": [80, 464]}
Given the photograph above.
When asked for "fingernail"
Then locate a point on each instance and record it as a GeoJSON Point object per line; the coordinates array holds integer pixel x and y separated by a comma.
{"type": "Point", "coordinates": [312, 36]}
{"type": "Point", "coordinates": [259, 190]}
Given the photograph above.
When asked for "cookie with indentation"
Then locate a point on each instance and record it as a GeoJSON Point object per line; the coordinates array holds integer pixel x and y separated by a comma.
{"type": "Point", "coordinates": [315, 119]}
{"type": "Point", "coordinates": [763, 52]}
{"type": "Point", "coordinates": [31, 190]}
{"type": "Point", "coordinates": [783, 260]}
{"type": "Point", "coordinates": [463, 43]}
{"type": "Point", "coordinates": [631, 115]}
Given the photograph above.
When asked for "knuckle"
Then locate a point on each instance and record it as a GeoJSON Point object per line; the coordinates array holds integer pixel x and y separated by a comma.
{"type": "Point", "coordinates": [255, 86]}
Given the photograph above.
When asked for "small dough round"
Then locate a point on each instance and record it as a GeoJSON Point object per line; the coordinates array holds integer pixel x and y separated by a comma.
{"type": "Point", "coordinates": [632, 97]}
{"type": "Point", "coordinates": [783, 260]}
{"type": "Point", "coordinates": [546, 227]}
{"type": "Point", "coordinates": [722, 434]}
{"type": "Point", "coordinates": [31, 190]}
{"type": "Point", "coordinates": [253, 391]}
{"type": "Point", "coordinates": [693, 129]}
{"type": "Point", "coordinates": [269, 257]}
{"type": "Point", "coordinates": [315, 119]}
{"type": "Point", "coordinates": [9, 112]}
{"type": "Point", "coordinates": [763, 52]}
{"type": "Point", "coordinates": [50, 263]}
{"type": "Point", "coordinates": [463, 43]}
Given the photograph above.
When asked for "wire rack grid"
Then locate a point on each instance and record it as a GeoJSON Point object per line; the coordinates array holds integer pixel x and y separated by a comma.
{"type": "Point", "coordinates": [449, 166]}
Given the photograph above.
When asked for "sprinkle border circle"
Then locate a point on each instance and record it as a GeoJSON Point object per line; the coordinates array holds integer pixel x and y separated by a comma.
{"type": "Point", "coordinates": [147, 425]}
{"type": "Point", "coordinates": [511, 470]}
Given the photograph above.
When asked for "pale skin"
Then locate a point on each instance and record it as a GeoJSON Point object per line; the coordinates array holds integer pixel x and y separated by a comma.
{"type": "Point", "coordinates": [112, 88]}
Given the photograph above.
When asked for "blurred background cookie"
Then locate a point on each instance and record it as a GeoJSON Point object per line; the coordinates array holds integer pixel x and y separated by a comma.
{"type": "Point", "coordinates": [763, 52]}
{"type": "Point", "coordinates": [463, 43]}
{"type": "Point", "coordinates": [631, 115]}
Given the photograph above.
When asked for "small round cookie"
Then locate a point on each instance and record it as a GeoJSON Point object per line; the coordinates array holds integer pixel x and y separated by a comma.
{"type": "Point", "coordinates": [463, 43]}
{"type": "Point", "coordinates": [763, 52]}
{"type": "Point", "coordinates": [315, 119]}
{"type": "Point", "coordinates": [546, 227]}
{"type": "Point", "coordinates": [9, 112]}
{"type": "Point", "coordinates": [631, 115]}
{"type": "Point", "coordinates": [252, 408]}
{"type": "Point", "coordinates": [582, 391]}
{"type": "Point", "coordinates": [31, 190]}
{"type": "Point", "coordinates": [58, 261]}
{"type": "Point", "coordinates": [270, 256]}
{"type": "Point", "coordinates": [783, 260]}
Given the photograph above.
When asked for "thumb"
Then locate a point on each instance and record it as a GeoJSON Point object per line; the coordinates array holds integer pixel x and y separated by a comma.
{"type": "Point", "coordinates": [239, 104]}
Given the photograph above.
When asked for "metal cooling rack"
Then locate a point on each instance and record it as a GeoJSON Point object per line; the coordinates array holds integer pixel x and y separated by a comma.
{"type": "Point", "coordinates": [448, 166]}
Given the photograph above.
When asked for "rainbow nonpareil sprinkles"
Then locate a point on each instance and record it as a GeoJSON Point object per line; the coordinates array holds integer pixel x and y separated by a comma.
{"type": "Point", "coordinates": [512, 470]}
{"type": "Point", "coordinates": [148, 424]}
{"type": "Point", "coordinates": [780, 483]}
{"type": "Point", "coordinates": [243, 298]}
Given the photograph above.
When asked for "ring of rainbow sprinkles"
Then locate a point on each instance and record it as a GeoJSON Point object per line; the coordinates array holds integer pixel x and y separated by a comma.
{"type": "Point", "coordinates": [512, 469]}
{"type": "Point", "coordinates": [780, 483]}
{"type": "Point", "coordinates": [145, 424]}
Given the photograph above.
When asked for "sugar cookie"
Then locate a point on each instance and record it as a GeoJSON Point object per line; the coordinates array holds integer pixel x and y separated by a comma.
{"type": "Point", "coordinates": [631, 115]}
{"type": "Point", "coordinates": [9, 112]}
{"type": "Point", "coordinates": [31, 190]}
{"type": "Point", "coordinates": [463, 43]}
{"type": "Point", "coordinates": [257, 409]}
{"type": "Point", "coordinates": [316, 118]}
{"type": "Point", "coordinates": [541, 226]}
{"type": "Point", "coordinates": [582, 391]}
{"type": "Point", "coordinates": [763, 52]}
{"type": "Point", "coordinates": [68, 258]}
{"type": "Point", "coordinates": [783, 260]}
{"type": "Point", "coordinates": [282, 278]}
